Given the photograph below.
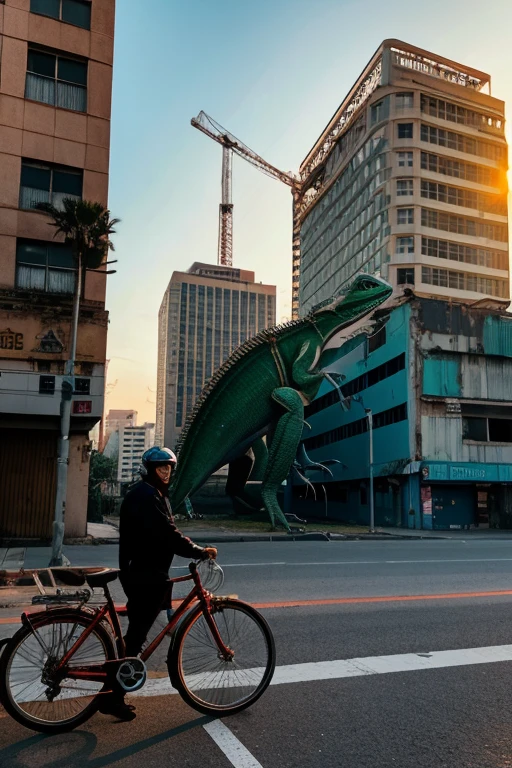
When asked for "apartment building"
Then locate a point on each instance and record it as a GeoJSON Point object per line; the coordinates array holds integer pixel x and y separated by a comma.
{"type": "Point", "coordinates": [408, 180]}
{"type": "Point", "coordinates": [56, 60]}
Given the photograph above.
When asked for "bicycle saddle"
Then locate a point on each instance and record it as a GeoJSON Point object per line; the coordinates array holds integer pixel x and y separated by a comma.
{"type": "Point", "coordinates": [101, 578]}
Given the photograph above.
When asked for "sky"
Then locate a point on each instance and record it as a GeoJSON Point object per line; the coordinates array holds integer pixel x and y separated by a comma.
{"type": "Point", "coordinates": [272, 72]}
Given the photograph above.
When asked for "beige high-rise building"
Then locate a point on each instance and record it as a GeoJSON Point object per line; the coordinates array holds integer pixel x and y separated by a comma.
{"type": "Point", "coordinates": [408, 180]}
{"type": "Point", "coordinates": [56, 61]}
{"type": "Point", "coordinates": [205, 314]}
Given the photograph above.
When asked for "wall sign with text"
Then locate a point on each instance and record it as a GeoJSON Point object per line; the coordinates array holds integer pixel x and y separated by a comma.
{"type": "Point", "coordinates": [11, 340]}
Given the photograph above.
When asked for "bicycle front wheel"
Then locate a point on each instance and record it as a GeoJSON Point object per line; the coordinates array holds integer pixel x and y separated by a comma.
{"type": "Point", "coordinates": [208, 682]}
{"type": "Point", "coordinates": [28, 689]}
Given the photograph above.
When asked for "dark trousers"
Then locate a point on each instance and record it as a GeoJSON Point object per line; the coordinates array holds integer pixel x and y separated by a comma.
{"type": "Point", "coordinates": [143, 606]}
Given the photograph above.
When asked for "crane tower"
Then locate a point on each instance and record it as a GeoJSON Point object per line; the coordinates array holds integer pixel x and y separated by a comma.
{"type": "Point", "coordinates": [230, 144]}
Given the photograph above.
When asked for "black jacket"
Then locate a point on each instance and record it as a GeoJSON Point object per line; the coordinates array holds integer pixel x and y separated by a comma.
{"type": "Point", "coordinates": [148, 537]}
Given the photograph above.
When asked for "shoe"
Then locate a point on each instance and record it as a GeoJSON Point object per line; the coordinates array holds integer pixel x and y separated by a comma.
{"type": "Point", "coordinates": [118, 708]}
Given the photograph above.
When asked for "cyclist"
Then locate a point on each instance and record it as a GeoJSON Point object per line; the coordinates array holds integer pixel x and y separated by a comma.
{"type": "Point", "coordinates": [148, 541]}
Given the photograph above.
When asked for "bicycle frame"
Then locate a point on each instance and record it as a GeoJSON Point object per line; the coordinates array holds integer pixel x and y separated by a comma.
{"type": "Point", "coordinates": [98, 672]}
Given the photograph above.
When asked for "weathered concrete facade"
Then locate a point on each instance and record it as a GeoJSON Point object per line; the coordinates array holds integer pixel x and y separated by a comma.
{"type": "Point", "coordinates": [55, 102]}
{"type": "Point", "coordinates": [438, 379]}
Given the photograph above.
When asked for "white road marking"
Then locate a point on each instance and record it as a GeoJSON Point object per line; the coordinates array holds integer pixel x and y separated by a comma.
{"type": "Point", "coordinates": [363, 562]}
{"type": "Point", "coordinates": [370, 665]}
{"type": "Point", "coordinates": [236, 753]}
{"type": "Point", "coordinates": [231, 565]}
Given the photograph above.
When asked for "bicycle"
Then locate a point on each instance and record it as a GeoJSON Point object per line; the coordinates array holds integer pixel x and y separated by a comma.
{"type": "Point", "coordinates": [55, 668]}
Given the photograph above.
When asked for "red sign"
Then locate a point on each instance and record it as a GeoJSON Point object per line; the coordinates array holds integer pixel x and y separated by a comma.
{"type": "Point", "coordinates": [82, 406]}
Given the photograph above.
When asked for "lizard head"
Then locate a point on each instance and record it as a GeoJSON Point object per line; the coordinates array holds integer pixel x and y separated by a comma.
{"type": "Point", "coordinates": [360, 298]}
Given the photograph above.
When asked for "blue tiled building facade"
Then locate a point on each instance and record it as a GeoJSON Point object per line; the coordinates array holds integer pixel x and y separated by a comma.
{"type": "Point", "coordinates": [438, 381]}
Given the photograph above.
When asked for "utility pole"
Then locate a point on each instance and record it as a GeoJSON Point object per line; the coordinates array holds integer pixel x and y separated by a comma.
{"type": "Point", "coordinates": [369, 416]}
{"type": "Point", "coordinates": [68, 386]}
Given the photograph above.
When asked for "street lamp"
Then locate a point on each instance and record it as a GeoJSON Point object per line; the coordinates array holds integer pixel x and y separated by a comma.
{"type": "Point", "coordinates": [369, 417]}
{"type": "Point", "coordinates": [335, 379]}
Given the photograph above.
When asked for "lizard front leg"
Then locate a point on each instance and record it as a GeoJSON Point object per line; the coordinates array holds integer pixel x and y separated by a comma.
{"type": "Point", "coordinates": [281, 450]}
{"type": "Point", "coordinates": [305, 376]}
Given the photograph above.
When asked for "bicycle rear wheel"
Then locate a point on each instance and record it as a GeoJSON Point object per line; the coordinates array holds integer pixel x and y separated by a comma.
{"type": "Point", "coordinates": [27, 690]}
{"type": "Point", "coordinates": [208, 682]}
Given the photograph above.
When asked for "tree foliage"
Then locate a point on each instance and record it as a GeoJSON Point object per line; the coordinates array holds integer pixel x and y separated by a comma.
{"type": "Point", "coordinates": [102, 470]}
{"type": "Point", "coordinates": [86, 226]}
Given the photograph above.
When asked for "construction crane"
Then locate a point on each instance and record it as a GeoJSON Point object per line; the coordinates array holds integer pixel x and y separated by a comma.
{"type": "Point", "coordinates": [230, 144]}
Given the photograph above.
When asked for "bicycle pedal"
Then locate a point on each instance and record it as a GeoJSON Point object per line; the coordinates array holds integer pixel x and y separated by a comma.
{"type": "Point", "coordinates": [130, 673]}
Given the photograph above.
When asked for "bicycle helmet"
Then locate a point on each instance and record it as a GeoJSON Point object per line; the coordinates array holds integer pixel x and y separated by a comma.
{"type": "Point", "coordinates": [157, 457]}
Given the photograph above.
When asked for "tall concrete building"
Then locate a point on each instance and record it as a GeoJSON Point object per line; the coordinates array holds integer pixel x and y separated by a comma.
{"type": "Point", "coordinates": [133, 441]}
{"type": "Point", "coordinates": [205, 314]}
{"type": "Point", "coordinates": [408, 180]}
{"type": "Point", "coordinates": [116, 419]}
{"type": "Point", "coordinates": [55, 102]}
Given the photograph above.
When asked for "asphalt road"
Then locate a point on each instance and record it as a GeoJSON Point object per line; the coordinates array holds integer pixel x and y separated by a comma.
{"type": "Point", "coordinates": [456, 714]}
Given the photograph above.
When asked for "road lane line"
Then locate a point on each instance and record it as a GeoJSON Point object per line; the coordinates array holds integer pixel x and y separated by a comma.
{"type": "Point", "coordinates": [363, 562]}
{"type": "Point", "coordinates": [236, 753]}
{"type": "Point", "coordinates": [360, 667]}
{"type": "Point", "coordinates": [341, 601]}
{"type": "Point", "coordinates": [379, 599]}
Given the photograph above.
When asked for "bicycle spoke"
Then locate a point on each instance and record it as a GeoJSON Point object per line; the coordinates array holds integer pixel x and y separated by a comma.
{"type": "Point", "coordinates": [30, 669]}
{"type": "Point", "coordinates": [208, 678]}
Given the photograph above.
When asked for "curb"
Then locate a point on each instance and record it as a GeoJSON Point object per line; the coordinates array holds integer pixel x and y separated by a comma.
{"type": "Point", "coordinates": [313, 536]}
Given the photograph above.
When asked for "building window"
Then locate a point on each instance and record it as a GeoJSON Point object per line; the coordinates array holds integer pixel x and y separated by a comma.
{"type": "Point", "coordinates": [42, 183]}
{"type": "Point", "coordinates": [405, 159]}
{"type": "Point", "coordinates": [405, 216]}
{"type": "Point", "coordinates": [82, 386]}
{"type": "Point", "coordinates": [462, 143]}
{"type": "Point", "coordinates": [363, 495]}
{"type": "Point", "coordinates": [377, 112]}
{"type": "Point", "coordinates": [465, 281]}
{"type": "Point", "coordinates": [463, 225]}
{"type": "Point", "coordinates": [377, 339]}
{"type": "Point", "coordinates": [77, 12]}
{"type": "Point", "coordinates": [405, 244]}
{"type": "Point", "coordinates": [354, 428]}
{"type": "Point", "coordinates": [466, 198]}
{"type": "Point", "coordinates": [487, 430]}
{"type": "Point", "coordinates": [404, 100]}
{"type": "Point", "coordinates": [445, 110]}
{"type": "Point", "coordinates": [443, 249]}
{"type": "Point", "coordinates": [405, 276]}
{"type": "Point", "coordinates": [405, 130]}
{"type": "Point", "coordinates": [46, 385]}
{"type": "Point", "coordinates": [404, 187]}
{"type": "Point", "coordinates": [57, 80]}
{"type": "Point", "coordinates": [368, 379]}
{"type": "Point", "coordinates": [42, 266]}
{"type": "Point", "coordinates": [490, 177]}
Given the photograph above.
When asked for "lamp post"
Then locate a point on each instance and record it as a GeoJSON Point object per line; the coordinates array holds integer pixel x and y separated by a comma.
{"type": "Point", "coordinates": [369, 416]}
{"type": "Point", "coordinates": [345, 401]}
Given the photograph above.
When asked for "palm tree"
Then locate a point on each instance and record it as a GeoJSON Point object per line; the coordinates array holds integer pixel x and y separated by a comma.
{"type": "Point", "coordinates": [87, 228]}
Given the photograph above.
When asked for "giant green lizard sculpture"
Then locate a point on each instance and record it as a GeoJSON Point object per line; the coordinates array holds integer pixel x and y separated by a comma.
{"type": "Point", "coordinates": [260, 390]}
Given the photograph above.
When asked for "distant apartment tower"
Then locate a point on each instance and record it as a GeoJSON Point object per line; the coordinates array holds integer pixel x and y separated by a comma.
{"type": "Point", "coordinates": [133, 441]}
{"type": "Point", "coordinates": [205, 314]}
{"type": "Point", "coordinates": [55, 102]}
{"type": "Point", "coordinates": [408, 180]}
{"type": "Point", "coordinates": [115, 419]}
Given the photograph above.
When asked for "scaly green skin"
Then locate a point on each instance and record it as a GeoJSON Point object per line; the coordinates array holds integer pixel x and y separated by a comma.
{"type": "Point", "coordinates": [261, 389]}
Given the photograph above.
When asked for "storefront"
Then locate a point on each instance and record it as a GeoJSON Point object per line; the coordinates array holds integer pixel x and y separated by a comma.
{"type": "Point", "coordinates": [461, 496]}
